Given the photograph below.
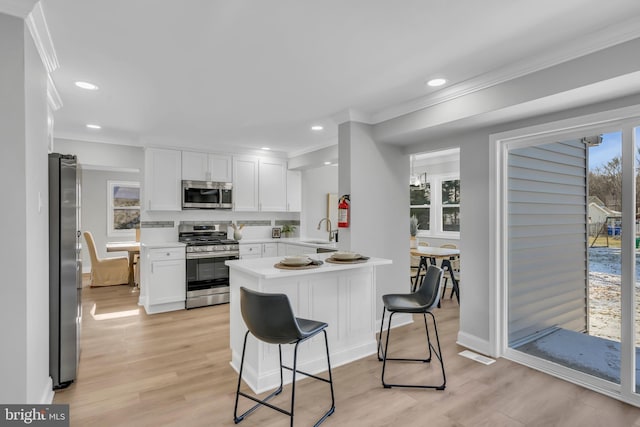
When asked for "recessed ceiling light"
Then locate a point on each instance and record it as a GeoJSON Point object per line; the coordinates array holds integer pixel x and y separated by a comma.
{"type": "Point", "coordinates": [266, 148]}
{"type": "Point", "coordinates": [92, 126]}
{"type": "Point", "coordinates": [317, 127]}
{"type": "Point", "coordinates": [86, 85]}
{"type": "Point", "coordinates": [436, 82]}
{"type": "Point", "coordinates": [327, 163]}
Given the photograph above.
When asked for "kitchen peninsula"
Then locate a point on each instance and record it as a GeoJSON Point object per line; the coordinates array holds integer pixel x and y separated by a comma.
{"type": "Point", "coordinates": [342, 295]}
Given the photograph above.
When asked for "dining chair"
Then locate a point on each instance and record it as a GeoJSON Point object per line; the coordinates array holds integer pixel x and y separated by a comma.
{"type": "Point", "coordinates": [455, 268]}
{"type": "Point", "coordinates": [414, 266]}
{"type": "Point", "coordinates": [270, 318]}
{"type": "Point", "coordinates": [106, 271]}
{"type": "Point", "coordinates": [423, 301]}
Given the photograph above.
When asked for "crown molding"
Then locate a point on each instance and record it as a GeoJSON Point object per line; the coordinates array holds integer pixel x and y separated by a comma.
{"type": "Point", "coordinates": [598, 40]}
{"type": "Point", "coordinates": [39, 30]}
{"type": "Point", "coordinates": [19, 8]}
{"type": "Point", "coordinates": [53, 97]}
{"type": "Point", "coordinates": [351, 115]}
{"type": "Point", "coordinates": [328, 143]}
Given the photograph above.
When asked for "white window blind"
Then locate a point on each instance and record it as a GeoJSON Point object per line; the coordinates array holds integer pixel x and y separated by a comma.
{"type": "Point", "coordinates": [547, 239]}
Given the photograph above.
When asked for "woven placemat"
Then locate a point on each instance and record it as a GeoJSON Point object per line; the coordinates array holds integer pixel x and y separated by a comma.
{"type": "Point", "coordinates": [295, 267]}
{"type": "Point", "coordinates": [348, 261]}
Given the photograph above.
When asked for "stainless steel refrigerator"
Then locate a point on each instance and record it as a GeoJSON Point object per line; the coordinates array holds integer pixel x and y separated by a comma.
{"type": "Point", "coordinates": [65, 269]}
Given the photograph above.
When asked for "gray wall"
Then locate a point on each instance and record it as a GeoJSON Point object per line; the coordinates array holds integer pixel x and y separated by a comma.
{"type": "Point", "coordinates": [24, 294]}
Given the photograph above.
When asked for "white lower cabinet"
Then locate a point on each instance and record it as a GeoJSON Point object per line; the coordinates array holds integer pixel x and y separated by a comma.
{"type": "Point", "coordinates": [162, 286]}
{"type": "Point", "coordinates": [251, 250]}
{"type": "Point", "coordinates": [291, 249]}
{"type": "Point", "coordinates": [269, 249]}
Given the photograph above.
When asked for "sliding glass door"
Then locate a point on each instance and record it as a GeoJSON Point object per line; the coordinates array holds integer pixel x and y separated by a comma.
{"type": "Point", "coordinates": [570, 216]}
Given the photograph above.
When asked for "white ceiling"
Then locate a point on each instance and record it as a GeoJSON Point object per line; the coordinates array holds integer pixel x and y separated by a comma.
{"type": "Point", "coordinates": [239, 74]}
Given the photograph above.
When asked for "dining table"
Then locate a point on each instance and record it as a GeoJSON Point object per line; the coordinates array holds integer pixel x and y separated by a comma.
{"type": "Point", "coordinates": [430, 255]}
{"type": "Point", "coordinates": [132, 248]}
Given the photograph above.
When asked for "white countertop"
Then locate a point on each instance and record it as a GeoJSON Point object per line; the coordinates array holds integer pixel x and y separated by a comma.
{"type": "Point", "coordinates": [156, 245]}
{"type": "Point", "coordinates": [310, 242]}
{"type": "Point", "coordinates": [264, 267]}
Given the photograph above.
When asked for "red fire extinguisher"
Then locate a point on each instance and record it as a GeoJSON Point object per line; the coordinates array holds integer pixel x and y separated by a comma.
{"type": "Point", "coordinates": [343, 212]}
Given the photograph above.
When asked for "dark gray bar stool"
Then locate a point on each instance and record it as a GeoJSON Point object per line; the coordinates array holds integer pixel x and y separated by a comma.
{"type": "Point", "coordinates": [425, 299]}
{"type": "Point", "coordinates": [269, 317]}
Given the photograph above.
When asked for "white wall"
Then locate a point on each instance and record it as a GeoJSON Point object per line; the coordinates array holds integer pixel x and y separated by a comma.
{"type": "Point", "coordinates": [94, 212]}
{"type": "Point", "coordinates": [376, 175]}
{"type": "Point", "coordinates": [24, 294]}
{"type": "Point", "coordinates": [316, 184]}
{"type": "Point", "coordinates": [37, 217]}
{"type": "Point", "coordinates": [104, 156]}
{"type": "Point", "coordinates": [100, 163]}
{"type": "Point", "coordinates": [13, 312]}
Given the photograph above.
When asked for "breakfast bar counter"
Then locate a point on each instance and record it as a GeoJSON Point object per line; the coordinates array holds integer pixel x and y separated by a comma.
{"type": "Point", "coordinates": [340, 294]}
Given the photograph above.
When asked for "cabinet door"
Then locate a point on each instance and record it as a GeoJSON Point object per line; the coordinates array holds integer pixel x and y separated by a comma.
{"type": "Point", "coordinates": [245, 184]}
{"type": "Point", "coordinates": [269, 249]}
{"type": "Point", "coordinates": [220, 168]}
{"type": "Point", "coordinates": [298, 250]}
{"type": "Point", "coordinates": [162, 183]}
{"type": "Point", "coordinates": [273, 185]}
{"type": "Point", "coordinates": [294, 191]}
{"type": "Point", "coordinates": [167, 282]}
{"type": "Point", "coordinates": [195, 166]}
{"type": "Point", "coordinates": [248, 251]}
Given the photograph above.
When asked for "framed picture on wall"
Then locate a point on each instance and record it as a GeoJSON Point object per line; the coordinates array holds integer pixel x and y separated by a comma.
{"type": "Point", "coordinates": [275, 233]}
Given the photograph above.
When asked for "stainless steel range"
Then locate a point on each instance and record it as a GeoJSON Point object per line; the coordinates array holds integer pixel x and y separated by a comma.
{"type": "Point", "coordinates": [207, 275]}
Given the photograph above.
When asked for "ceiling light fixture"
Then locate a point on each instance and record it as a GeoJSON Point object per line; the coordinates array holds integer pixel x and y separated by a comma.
{"type": "Point", "coordinates": [86, 85]}
{"type": "Point", "coordinates": [266, 148]}
{"type": "Point", "coordinates": [317, 127]}
{"type": "Point", "coordinates": [436, 82]}
{"type": "Point", "coordinates": [327, 163]}
{"type": "Point", "coordinates": [92, 126]}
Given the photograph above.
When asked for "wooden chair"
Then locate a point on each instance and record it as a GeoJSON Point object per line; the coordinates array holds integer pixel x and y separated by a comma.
{"type": "Point", "coordinates": [415, 262]}
{"type": "Point", "coordinates": [106, 271]}
{"type": "Point", "coordinates": [455, 265]}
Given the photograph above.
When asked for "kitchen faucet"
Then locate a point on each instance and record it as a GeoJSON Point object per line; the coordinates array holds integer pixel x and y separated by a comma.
{"type": "Point", "coordinates": [331, 232]}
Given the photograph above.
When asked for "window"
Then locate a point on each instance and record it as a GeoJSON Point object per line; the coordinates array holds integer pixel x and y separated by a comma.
{"type": "Point", "coordinates": [123, 207]}
{"type": "Point", "coordinates": [451, 205]}
{"type": "Point", "coordinates": [440, 214]}
{"type": "Point", "coordinates": [421, 204]}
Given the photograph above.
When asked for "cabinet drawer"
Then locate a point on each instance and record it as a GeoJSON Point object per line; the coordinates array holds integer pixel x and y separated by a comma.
{"type": "Point", "coordinates": [252, 249]}
{"type": "Point", "coordinates": [166, 254]}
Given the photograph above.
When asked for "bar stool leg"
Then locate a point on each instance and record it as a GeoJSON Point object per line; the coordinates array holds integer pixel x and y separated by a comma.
{"type": "Point", "coordinates": [236, 418]}
{"type": "Point", "coordinates": [380, 335]}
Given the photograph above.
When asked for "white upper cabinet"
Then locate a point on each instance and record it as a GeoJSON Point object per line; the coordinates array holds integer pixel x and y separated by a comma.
{"type": "Point", "coordinates": [245, 184]}
{"type": "Point", "coordinates": [273, 185]}
{"type": "Point", "coordinates": [294, 191]}
{"type": "Point", "coordinates": [162, 180]}
{"type": "Point", "coordinates": [206, 167]}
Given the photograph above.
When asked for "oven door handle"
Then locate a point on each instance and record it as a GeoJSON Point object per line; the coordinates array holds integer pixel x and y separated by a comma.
{"type": "Point", "coordinates": [200, 255]}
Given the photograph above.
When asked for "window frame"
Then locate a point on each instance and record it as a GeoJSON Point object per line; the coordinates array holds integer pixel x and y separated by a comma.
{"type": "Point", "coordinates": [111, 231]}
{"type": "Point", "coordinates": [436, 207]}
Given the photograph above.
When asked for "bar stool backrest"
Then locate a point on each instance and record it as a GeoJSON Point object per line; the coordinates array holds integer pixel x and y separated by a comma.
{"type": "Point", "coordinates": [430, 289]}
{"type": "Point", "coordinates": [269, 317]}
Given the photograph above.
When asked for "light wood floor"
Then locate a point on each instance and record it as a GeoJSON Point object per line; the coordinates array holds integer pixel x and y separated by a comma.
{"type": "Point", "coordinates": [172, 369]}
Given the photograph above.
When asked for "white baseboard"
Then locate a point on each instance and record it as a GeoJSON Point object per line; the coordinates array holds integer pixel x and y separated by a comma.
{"type": "Point", "coordinates": [472, 342]}
{"type": "Point", "coordinates": [47, 393]}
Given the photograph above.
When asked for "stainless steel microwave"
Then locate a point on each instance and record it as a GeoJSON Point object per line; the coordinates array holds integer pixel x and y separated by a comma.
{"type": "Point", "coordinates": [206, 195]}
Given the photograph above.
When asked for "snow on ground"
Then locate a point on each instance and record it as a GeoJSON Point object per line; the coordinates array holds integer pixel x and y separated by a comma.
{"type": "Point", "coordinates": [604, 294]}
